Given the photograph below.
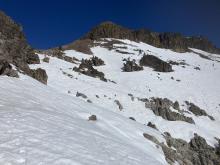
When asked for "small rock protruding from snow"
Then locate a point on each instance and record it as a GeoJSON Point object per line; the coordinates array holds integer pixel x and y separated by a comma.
{"type": "Point", "coordinates": [150, 124]}
{"type": "Point", "coordinates": [78, 94]}
{"type": "Point", "coordinates": [92, 118]}
{"type": "Point", "coordinates": [151, 138]}
{"type": "Point", "coordinates": [119, 105]}
{"type": "Point", "coordinates": [132, 118]}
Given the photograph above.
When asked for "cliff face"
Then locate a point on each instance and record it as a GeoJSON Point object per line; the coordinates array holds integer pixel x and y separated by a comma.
{"type": "Point", "coordinates": [15, 50]}
{"type": "Point", "coordinates": [203, 44]}
{"type": "Point", "coordinates": [174, 41]}
{"type": "Point", "coordinates": [13, 45]}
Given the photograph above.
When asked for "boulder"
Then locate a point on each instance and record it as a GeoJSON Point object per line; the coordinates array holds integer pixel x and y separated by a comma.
{"type": "Point", "coordinates": [155, 63]}
{"type": "Point", "coordinates": [92, 118]}
{"type": "Point", "coordinates": [33, 59]}
{"type": "Point", "coordinates": [40, 75]}
{"type": "Point", "coordinates": [46, 59]}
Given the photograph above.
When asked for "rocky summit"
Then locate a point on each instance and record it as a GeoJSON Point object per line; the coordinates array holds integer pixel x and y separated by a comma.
{"type": "Point", "coordinates": [174, 41]}
{"type": "Point", "coordinates": [114, 96]}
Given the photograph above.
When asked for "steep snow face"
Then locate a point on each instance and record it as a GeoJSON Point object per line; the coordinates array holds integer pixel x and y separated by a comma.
{"type": "Point", "coordinates": [195, 80]}
{"type": "Point", "coordinates": [49, 124]}
{"type": "Point", "coordinates": [39, 125]}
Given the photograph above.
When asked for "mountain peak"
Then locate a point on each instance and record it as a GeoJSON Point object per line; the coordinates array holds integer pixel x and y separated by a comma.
{"type": "Point", "coordinates": [174, 41]}
{"type": "Point", "coordinates": [107, 23]}
{"type": "Point", "coordinates": [108, 29]}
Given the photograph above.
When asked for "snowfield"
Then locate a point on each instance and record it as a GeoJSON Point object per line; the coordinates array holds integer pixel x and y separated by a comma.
{"type": "Point", "coordinates": [41, 126]}
{"type": "Point", "coordinates": [49, 125]}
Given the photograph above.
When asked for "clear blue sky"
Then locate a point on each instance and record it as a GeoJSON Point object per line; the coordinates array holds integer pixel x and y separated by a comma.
{"type": "Point", "coordinates": [49, 23]}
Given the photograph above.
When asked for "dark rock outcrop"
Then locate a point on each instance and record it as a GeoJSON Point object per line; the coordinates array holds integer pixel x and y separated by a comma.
{"type": "Point", "coordinates": [46, 59]}
{"type": "Point", "coordinates": [196, 152]}
{"type": "Point", "coordinates": [82, 46]}
{"type": "Point", "coordinates": [123, 52]}
{"type": "Point", "coordinates": [110, 44]}
{"type": "Point", "coordinates": [161, 107]}
{"type": "Point", "coordinates": [58, 53]}
{"type": "Point", "coordinates": [33, 59]}
{"type": "Point", "coordinates": [155, 63]}
{"type": "Point", "coordinates": [6, 69]}
{"type": "Point", "coordinates": [94, 61]}
{"type": "Point", "coordinates": [218, 148]}
{"type": "Point", "coordinates": [55, 52]}
{"type": "Point", "coordinates": [39, 74]}
{"type": "Point", "coordinates": [174, 41]}
{"type": "Point", "coordinates": [109, 30]}
{"type": "Point", "coordinates": [86, 68]}
{"type": "Point", "coordinates": [97, 61]}
{"type": "Point", "coordinates": [197, 111]}
{"type": "Point", "coordinates": [13, 45]}
{"type": "Point", "coordinates": [131, 66]}
{"type": "Point", "coordinates": [202, 43]}
{"type": "Point", "coordinates": [15, 50]}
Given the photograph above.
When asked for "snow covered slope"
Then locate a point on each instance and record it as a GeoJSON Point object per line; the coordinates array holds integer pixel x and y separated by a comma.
{"type": "Point", "coordinates": [186, 83]}
{"type": "Point", "coordinates": [41, 126]}
{"type": "Point", "coordinates": [49, 124]}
